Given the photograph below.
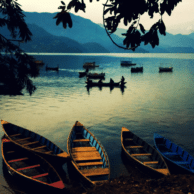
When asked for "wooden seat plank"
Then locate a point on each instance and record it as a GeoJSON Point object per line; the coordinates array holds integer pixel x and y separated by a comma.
{"type": "Point", "coordinates": [90, 164]}
{"type": "Point", "coordinates": [14, 135]}
{"type": "Point", "coordinates": [151, 162]}
{"type": "Point", "coordinates": [28, 167]}
{"type": "Point", "coordinates": [142, 154]}
{"type": "Point", "coordinates": [78, 154]}
{"type": "Point", "coordinates": [128, 139]}
{"type": "Point", "coordinates": [17, 160]}
{"type": "Point", "coordinates": [30, 143]}
{"type": "Point", "coordinates": [49, 152]}
{"type": "Point", "coordinates": [83, 149]}
{"type": "Point", "coordinates": [80, 140]}
{"type": "Point", "coordinates": [87, 158]}
{"type": "Point", "coordinates": [26, 138]}
{"type": "Point", "coordinates": [10, 152]}
{"type": "Point", "coordinates": [40, 147]}
{"type": "Point", "coordinates": [40, 175]}
{"type": "Point", "coordinates": [95, 171]}
{"type": "Point", "coordinates": [134, 147]}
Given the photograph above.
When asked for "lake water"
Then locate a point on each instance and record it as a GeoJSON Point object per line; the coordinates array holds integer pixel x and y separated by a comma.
{"type": "Point", "coordinates": [151, 102]}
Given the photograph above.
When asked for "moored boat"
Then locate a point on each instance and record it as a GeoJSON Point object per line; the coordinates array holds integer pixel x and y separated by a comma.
{"type": "Point", "coordinates": [136, 69]}
{"type": "Point", "coordinates": [33, 142]}
{"type": "Point", "coordinates": [52, 68]}
{"type": "Point", "coordinates": [83, 73]}
{"type": "Point", "coordinates": [165, 69]}
{"type": "Point", "coordinates": [24, 164]}
{"type": "Point", "coordinates": [142, 153]}
{"type": "Point", "coordinates": [127, 63]}
{"type": "Point", "coordinates": [88, 156]}
{"type": "Point", "coordinates": [174, 154]}
{"type": "Point", "coordinates": [90, 65]}
{"type": "Point", "coordinates": [96, 75]}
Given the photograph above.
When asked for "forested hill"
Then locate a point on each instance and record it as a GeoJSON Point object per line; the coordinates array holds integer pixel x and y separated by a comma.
{"type": "Point", "coordinates": [88, 37]}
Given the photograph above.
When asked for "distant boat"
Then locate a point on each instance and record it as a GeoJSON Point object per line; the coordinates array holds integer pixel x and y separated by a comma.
{"type": "Point", "coordinates": [84, 73]}
{"type": "Point", "coordinates": [127, 63]}
{"type": "Point", "coordinates": [39, 63]}
{"type": "Point", "coordinates": [27, 165]}
{"type": "Point", "coordinates": [88, 156]}
{"type": "Point", "coordinates": [52, 68]}
{"type": "Point", "coordinates": [90, 65]}
{"type": "Point", "coordinates": [136, 69]}
{"type": "Point", "coordinates": [165, 69]}
{"type": "Point", "coordinates": [143, 154]}
{"type": "Point", "coordinates": [102, 84]}
{"type": "Point", "coordinates": [34, 142]}
{"type": "Point", "coordinates": [174, 154]}
{"type": "Point", "coordinates": [95, 75]}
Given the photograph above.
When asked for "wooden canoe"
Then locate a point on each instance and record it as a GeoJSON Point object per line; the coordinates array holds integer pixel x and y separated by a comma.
{"type": "Point", "coordinates": [174, 154]}
{"type": "Point", "coordinates": [142, 153]}
{"type": "Point", "coordinates": [25, 164]}
{"type": "Point", "coordinates": [136, 69]}
{"type": "Point", "coordinates": [33, 142]}
{"type": "Point", "coordinates": [88, 156]}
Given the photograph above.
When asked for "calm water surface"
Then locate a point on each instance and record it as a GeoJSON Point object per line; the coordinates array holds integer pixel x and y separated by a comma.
{"type": "Point", "coordinates": [151, 102]}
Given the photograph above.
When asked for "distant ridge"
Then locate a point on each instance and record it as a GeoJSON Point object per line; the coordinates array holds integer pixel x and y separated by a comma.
{"type": "Point", "coordinates": [88, 37]}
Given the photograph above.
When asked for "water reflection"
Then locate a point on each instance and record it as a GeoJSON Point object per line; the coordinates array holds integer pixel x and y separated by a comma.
{"type": "Point", "coordinates": [89, 88]}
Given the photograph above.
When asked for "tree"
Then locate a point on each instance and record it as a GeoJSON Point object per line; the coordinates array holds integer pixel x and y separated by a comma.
{"type": "Point", "coordinates": [16, 67]}
{"type": "Point", "coordinates": [129, 12]}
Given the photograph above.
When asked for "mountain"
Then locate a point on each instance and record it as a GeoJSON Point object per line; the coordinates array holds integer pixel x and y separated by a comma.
{"type": "Point", "coordinates": [83, 30]}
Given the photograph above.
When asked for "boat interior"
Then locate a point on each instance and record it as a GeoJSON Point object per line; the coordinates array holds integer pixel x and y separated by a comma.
{"type": "Point", "coordinates": [89, 155]}
{"type": "Point", "coordinates": [142, 151]}
{"type": "Point", "coordinates": [31, 140]}
{"type": "Point", "coordinates": [29, 164]}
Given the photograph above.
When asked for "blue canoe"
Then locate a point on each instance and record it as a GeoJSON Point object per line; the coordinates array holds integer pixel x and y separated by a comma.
{"type": "Point", "coordinates": [34, 142]}
{"type": "Point", "coordinates": [174, 154]}
{"type": "Point", "coordinates": [89, 158]}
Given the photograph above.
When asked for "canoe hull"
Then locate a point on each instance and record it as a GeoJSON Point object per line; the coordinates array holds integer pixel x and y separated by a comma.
{"type": "Point", "coordinates": [179, 160]}
{"type": "Point", "coordinates": [142, 154]}
{"type": "Point", "coordinates": [34, 142]}
{"type": "Point", "coordinates": [89, 158]}
{"type": "Point", "coordinates": [30, 167]}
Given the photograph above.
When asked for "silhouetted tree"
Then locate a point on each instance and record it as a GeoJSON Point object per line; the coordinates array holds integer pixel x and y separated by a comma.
{"type": "Point", "coordinates": [129, 12]}
{"type": "Point", "coordinates": [15, 65]}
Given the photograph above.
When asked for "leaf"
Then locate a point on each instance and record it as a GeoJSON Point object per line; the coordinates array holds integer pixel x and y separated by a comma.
{"type": "Point", "coordinates": [162, 28]}
{"type": "Point", "coordinates": [125, 21]}
{"type": "Point", "coordinates": [142, 28]}
{"type": "Point", "coordinates": [69, 20]}
{"type": "Point", "coordinates": [62, 2]}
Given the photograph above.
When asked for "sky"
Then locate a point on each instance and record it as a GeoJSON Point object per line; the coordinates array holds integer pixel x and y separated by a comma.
{"type": "Point", "coordinates": [181, 20]}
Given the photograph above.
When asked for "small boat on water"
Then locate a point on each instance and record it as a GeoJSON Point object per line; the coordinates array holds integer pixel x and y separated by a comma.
{"type": "Point", "coordinates": [165, 69]}
{"type": "Point", "coordinates": [96, 75]}
{"type": "Point", "coordinates": [88, 156]}
{"type": "Point", "coordinates": [82, 74]}
{"type": "Point", "coordinates": [52, 68]}
{"type": "Point", "coordinates": [33, 142]}
{"type": "Point", "coordinates": [31, 167]}
{"type": "Point", "coordinates": [174, 154]}
{"type": "Point", "coordinates": [102, 84]}
{"type": "Point", "coordinates": [90, 65]}
{"type": "Point", "coordinates": [142, 153]}
{"type": "Point", "coordinates": [136, 69]}
{"type": "Point", "coordinates": [127, 63]}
